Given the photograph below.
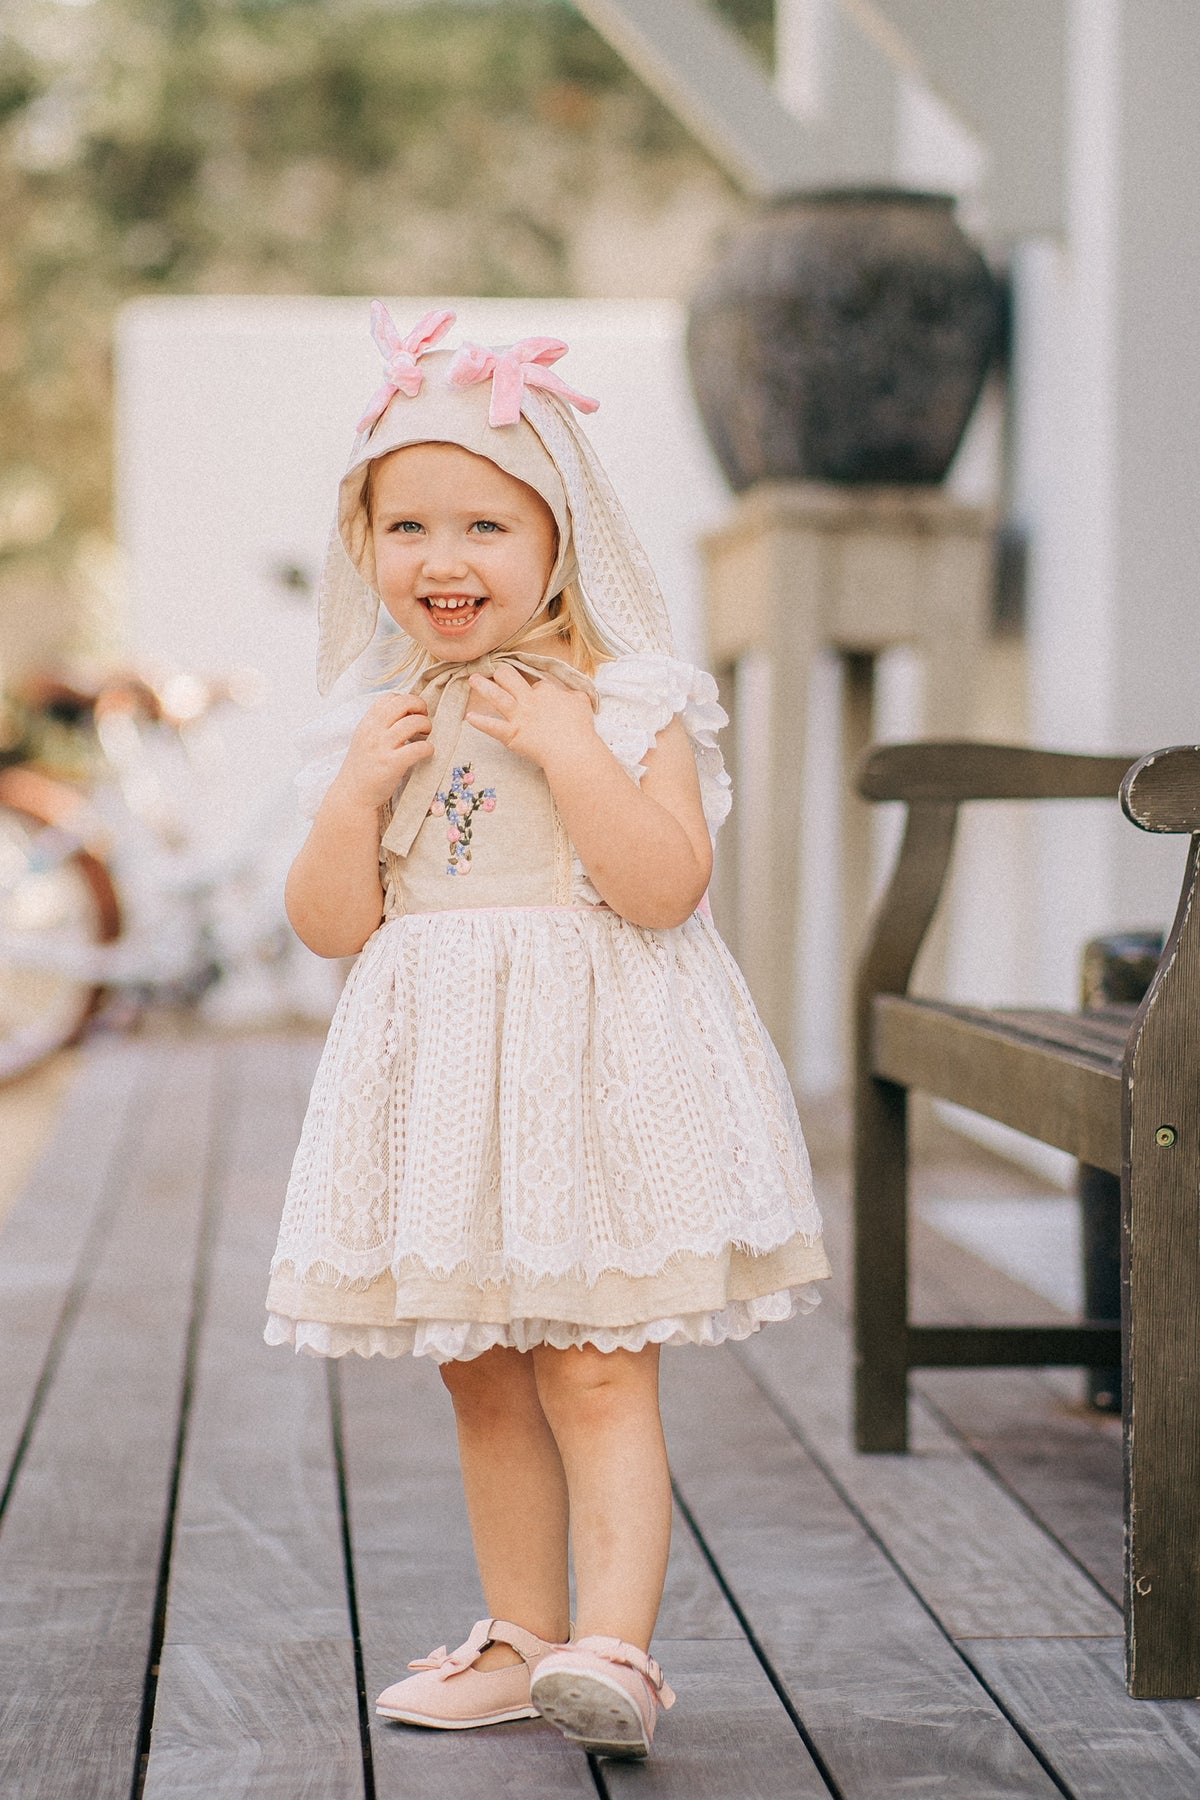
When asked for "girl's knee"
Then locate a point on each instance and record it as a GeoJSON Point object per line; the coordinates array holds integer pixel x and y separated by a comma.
{"type": "Point", "coordinates": [586, 1384]}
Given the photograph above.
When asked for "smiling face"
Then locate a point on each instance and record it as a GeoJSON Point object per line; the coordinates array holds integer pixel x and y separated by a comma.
{"type": "Point", "coordinates": [463, 551]}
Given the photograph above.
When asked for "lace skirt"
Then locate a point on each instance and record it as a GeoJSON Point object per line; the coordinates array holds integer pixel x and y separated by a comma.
{"type": "Point", "coordinates": [543, 1125]}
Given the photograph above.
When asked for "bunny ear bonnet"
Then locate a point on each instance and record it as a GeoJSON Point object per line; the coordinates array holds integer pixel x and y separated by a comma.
{"type": "Point", "coordinates": [507, 405]}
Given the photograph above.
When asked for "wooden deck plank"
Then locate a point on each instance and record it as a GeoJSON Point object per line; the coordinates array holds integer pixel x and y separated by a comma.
{"type": "Point", "coordinates": [258, 1555]}
{"type": "Point", "coordinates": [1070, 1695]}
{"type": "Point", "coordinates": [257, 1693]}
{"type": "Point", "coordinates": [257, 1722]}
{"type": "Point", "coordinates": [52, 1235]}
{"type": "Point", "coordinates": [693, 1606]}
{"type": "Point", "coordinates": [890, 1704]}
{"type": "Point", "coordinates": [80, 1547]}
{"type": "Point", "coordinates": [1063, 1465]}
{"type": "Point", "coordinates": [981, 1564]}
{"type": "Point", "coordinates": [727, 1734]}
{"type": "Point", "coordinates": [68, 1717]}
{"type": "Point", "coordinates": [1061, 1460]}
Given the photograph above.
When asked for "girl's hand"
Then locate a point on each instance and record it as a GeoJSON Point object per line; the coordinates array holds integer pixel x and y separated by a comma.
{"type": "Point", "coordinates": [540, 720]}
{"type": "Point", "coordinates": [391, 736]}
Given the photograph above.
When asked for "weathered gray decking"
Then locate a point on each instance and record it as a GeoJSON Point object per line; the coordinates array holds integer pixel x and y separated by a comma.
{"type": "Point", "coordinates": [208, 1548]}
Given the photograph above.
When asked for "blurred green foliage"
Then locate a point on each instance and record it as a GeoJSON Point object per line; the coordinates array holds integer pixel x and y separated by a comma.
{"type": "Point", "coordinates": [325, 146]}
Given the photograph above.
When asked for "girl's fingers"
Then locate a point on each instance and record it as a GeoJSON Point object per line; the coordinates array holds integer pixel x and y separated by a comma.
{"type": "Point", "coordinates": [393, 707]}
{"type": "Point", "coordinates": [410, 726]}
{"type": "Point", "coordinates": [491, 690]}
{"type": "Point", "coordinates": [500, 729]}
{"type": "Point", "coordinates": [512, 679]}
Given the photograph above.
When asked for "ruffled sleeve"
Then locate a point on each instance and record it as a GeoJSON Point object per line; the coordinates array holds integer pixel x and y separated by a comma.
{"type": "Point", "coordinates": [640, 695]}
{"type": "Point", "coordinates": [322, 744]}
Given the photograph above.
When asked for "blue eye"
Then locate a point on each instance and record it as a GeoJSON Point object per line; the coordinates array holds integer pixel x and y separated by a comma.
{"type": "Point", "coordinates": [487, 525]}
{"type": "Point", "coordinates": [406, 525]}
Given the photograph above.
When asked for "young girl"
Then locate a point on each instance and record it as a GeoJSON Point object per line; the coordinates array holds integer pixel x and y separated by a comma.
{"type": "Point", "coordinates": [548, 1133]}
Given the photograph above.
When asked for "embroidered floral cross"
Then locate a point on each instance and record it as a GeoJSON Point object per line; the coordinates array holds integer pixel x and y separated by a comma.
{"type": "Point", "coordinates": [458, 807]}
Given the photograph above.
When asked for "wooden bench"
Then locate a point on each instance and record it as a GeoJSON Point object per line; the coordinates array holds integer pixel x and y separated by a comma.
{"type": "Point", "coordinates": [1119, 1089]}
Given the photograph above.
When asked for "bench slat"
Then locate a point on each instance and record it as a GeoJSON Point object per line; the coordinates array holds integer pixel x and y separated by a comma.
{"type": "Point", "coordinates": [1102, 1035]}
{"type": "Point", "coordinates": [1062, 1094]}
{"type": "Point", "coordinates": [1101, 1040]}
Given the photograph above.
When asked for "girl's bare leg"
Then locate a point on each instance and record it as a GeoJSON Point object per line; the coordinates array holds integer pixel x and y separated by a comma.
{"type": "Point", "coordinates": [602, 1407]}
{"type": "Point", "coordinates": [516, 1495]}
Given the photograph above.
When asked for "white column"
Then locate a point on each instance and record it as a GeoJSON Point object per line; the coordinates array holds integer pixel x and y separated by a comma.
{"type": "Point", "coordinates": [1155, 453]}
{"type": "Point", "coordinates": [1108, 424]}
{"type": "Point", "coordinates": [803, 53]}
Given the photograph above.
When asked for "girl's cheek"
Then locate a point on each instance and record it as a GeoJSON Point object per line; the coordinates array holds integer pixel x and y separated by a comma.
{"type": "Point", "coordinates": [392, 562]}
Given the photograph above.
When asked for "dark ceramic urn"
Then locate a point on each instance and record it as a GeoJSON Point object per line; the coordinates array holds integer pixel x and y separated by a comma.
{"type": "Point", "coordinates": [843, 336]}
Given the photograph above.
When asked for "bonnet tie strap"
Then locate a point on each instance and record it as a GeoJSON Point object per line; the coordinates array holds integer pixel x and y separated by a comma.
{"type": "Point", "coordinates": [446, 690]}
{"type": "Point", "coordinates": [402, 373]}
{"type": "Point", "coordinates": [511, 371]}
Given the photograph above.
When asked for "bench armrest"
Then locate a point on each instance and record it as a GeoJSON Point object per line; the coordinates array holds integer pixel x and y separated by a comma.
{"type": "Point", "coordinates": [957, 771]}
{"type": "Point", "coordinates": [935, 777]}
{"type": "Point", "coordinates": [1162, 791]}
{"type": "Point", "coordinates": [906, 910]}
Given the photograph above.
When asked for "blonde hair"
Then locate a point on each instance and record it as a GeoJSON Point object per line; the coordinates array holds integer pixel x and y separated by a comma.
{"type": "Point", "coordinates": [566, 629]}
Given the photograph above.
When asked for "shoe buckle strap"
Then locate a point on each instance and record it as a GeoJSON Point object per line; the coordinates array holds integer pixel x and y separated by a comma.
{"type": "Point", "coordinates": [527, 1646]}
{"type": "Point", "coordinates": [658, 1681]}
{"type": "Point", "coordinates": [618, 1651]}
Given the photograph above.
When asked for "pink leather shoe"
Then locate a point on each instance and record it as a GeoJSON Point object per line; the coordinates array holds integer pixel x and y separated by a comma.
{"type": "Point", "coordinates": [602, 1693]}
{"type": "Point", "coordinates": [453, 1695]}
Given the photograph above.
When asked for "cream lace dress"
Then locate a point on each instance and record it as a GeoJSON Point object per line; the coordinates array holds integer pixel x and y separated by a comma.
{"type": "Point", "coordinates": [534, 1122]}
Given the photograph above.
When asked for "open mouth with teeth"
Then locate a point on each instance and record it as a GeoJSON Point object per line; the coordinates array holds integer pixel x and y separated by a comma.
{"type": "Point", "coordinates": [453, 614]}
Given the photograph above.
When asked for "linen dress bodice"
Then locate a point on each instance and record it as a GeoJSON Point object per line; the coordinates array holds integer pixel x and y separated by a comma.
{"type": "Point", "coordinates": [492, 837]}
{"type": "Point", "coordinates": [520, 854]}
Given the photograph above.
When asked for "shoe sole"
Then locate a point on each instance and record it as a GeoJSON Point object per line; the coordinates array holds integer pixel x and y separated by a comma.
{"type": "Point", "coordinates": [593, 1712]}
{"type": "Point", "coordinates": [496, 1718]}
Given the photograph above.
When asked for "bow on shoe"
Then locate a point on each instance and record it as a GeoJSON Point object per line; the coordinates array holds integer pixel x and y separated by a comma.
{"type": "Point", "coordinates": [446, 1663]}
{"type": "Point", "coordinates": [511, 372]}
{"type": "Point", "coordinates": [400, 354]}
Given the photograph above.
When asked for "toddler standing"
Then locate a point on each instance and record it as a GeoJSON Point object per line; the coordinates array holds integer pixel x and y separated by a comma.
{"type": "Point", "coordinates": [549, 1133]}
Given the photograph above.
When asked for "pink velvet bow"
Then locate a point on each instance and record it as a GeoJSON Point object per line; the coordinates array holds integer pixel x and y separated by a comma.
{"type": "Point", "coordinates": [402, 375]}
{"type": "Point", "coordinates": [511, 372]}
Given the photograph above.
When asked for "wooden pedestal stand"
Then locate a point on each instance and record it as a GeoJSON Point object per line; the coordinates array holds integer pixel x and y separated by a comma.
{"type": "Point", "coordinates": [804, 567]}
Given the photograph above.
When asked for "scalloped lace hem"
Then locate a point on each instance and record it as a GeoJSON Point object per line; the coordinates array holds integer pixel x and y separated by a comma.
{"type": "Point", "coordinates": [802, 1224]}
{"type": "Point", "coordinates": [451, 1340]}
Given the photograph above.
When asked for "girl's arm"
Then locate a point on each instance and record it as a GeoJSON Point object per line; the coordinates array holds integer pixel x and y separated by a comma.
{"type": "Point", "coordinates": [333, 894]}
{"type": "Point", "coordinates": [646, 849]}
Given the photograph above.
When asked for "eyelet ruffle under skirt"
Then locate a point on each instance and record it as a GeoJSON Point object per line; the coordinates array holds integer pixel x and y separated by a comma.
{"type": "Point", "coordinates": [460, 1340]}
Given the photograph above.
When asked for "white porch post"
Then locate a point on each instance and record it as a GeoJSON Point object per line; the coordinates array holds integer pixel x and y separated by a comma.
{"type": "Point", "coordinates": [1108, 410]}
